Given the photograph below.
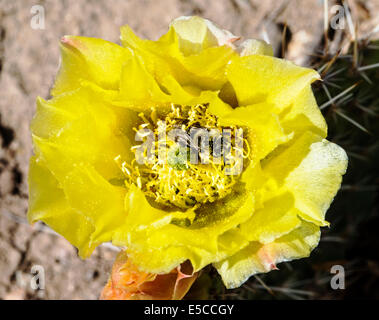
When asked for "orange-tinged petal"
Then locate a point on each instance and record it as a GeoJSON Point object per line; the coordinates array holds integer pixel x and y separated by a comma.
{"type": "Point", "coordinates": [257, 258]}
{"type": "Point", "coordinates": [127, 282]}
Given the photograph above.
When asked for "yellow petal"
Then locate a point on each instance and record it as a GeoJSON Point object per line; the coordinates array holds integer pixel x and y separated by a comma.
{"type": "Point", "coordinates": [274, 220]}
{"type": "Point", "coordinates": [315, 182]}
{"type": "Point", "coordinates": [311, 169]}
{"type": "Point", "coordinates": [64, 124]}
{"type": "Point", "coordinates": [208, 67]}
{"type": "Point", "coordinates": [196, 34]}
{"type": "Point", "coordinates": [90, 59]}
{"type": "Point", "coordinates": [47, 202]}
{"type": "Point", "coordinates": [95, 198]}
{"type": "Point", "coordinates": [304, 115]}
{"type": "Point", "coordinates": [230, 242]}
{"type": "Point", "coordinates": [259, 258]}
{"type": "Point", "coordinates": [198, 242]}
{"type": "Point", "coordinates": [258, 78]}
{"type": "Point", "coordinates": [205, 70]}
{"type": "Point", "coordinates": [265, 131]}
{"type": "Point", "coordinates": [138, 88]}
{"type": "Point", "coordinates": [253, 46]}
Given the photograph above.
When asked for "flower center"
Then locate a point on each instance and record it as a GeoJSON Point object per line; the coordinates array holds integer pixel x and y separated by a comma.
{"type": "Point", "coordinates": [186, 158]}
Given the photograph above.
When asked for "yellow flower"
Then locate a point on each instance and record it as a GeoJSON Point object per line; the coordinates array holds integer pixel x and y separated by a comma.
{"type": "Point", "coordinates": [85, 182]}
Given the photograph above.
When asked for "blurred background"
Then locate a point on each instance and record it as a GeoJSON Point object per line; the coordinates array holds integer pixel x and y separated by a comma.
{"type": "Point", "coordinates": [346, 55]}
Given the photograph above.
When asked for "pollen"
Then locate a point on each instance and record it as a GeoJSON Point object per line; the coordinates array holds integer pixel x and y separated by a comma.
{"type": "Point", "coordinates": [177, 171]}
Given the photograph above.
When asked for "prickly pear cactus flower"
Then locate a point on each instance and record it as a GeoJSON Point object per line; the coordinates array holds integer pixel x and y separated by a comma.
{"type": "Point", "coordinates": [188, 149]}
